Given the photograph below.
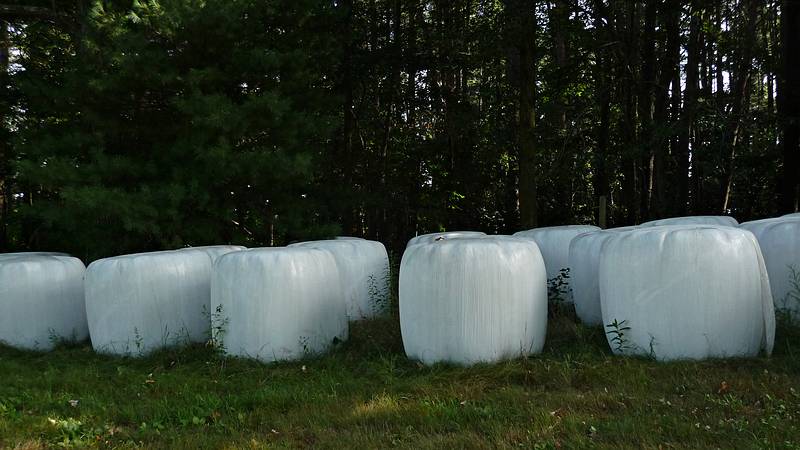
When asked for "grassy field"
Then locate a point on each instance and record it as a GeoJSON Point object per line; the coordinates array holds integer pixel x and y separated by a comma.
{"type": "Point", "coordinates": [366, 394]}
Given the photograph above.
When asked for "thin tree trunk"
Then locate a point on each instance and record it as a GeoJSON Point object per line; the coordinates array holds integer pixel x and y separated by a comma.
{"type": "Point", "coordinates": [603, 89]}
{"type": "Point", "coordinates": [741, 102]}
{"type": "Point", "coordinates": [679, 161]}
{"type": "Point", "coordinates": [706, 63]}
{"type": "Point", "coordinates": [647, 83]}
{"type": "Point", "coordinates": [789, 105]}
{"type": "Point", "coordinates": [4, 143]}
{"type": "Point", "coordinates": [689, 111]}
{"type": "Point", "coordinates": [667, 74]}
{"type": "Point", "coordinates": [415, 20]}
{"type": "Point", "coordinates": [523, 33]}
{"type": "Point", "coordinates": [770, 95]}
{"type": "Point", "coordinates": [769, 37]}
{"type": "Point", "coordinates": [448, 87]}
{"type": "Point", "coordinates": [720, 78]}
{"type": "Point", "coordinates": [558, 23]}
{"type": "Point", "coordinates": [348, 128]}
{"type": "Point", "coordinates": [557, 121]}
{"type": "Point", "coordinates": [629, 76]}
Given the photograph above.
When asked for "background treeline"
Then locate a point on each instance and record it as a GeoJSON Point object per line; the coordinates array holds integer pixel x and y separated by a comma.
{"type": "Point", "coordinates": [137, 125]}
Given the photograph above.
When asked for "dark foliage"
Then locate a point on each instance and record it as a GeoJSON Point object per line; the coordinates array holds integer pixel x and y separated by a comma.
{"type": "Point", "coordinates": [146, 124]}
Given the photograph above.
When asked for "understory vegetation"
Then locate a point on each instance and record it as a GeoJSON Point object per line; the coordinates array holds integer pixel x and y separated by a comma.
{"type": "Point", "coordinates": [367, 394]}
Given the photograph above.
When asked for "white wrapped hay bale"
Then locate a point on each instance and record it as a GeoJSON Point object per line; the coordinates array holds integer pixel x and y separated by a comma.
{"type": "Point", "coordinates": [554, 243]}
{"type": "Point", "coordinates": [278, 303]}
{"type": "Point", "coordinates": [215, 251]}
{"type": "Point", "coordinates": [686, 292]}
{"type": "Point", "coordinates": [41, 300]}
{"type": "Point", "coordinates": [726, 221]}
{"type": "Point", "coordinates": [430, 237]}
{"type": "Point", "coordinates": [779, 239]}
{"type": "Point", "coordinates": [791, 215]}
{"type": "Point", "coordinates": [471, 300]}
{"type": "Point", "coordinates": [364, 269]}
{"type": "Point", "coordinates": [146, 301]}
{"type": "Point", "coordinates": [584, 263]}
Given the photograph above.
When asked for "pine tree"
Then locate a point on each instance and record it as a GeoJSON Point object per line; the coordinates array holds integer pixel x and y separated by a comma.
{"type": "Point", "coordinates": [183, 122]}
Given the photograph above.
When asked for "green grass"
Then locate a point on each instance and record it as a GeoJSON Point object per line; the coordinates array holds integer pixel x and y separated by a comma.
{"type": "Point", "coordinates": [366, 394]}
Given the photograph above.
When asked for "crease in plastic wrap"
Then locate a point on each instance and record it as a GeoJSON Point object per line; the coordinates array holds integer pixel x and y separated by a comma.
{"type": "Point", "coordinates": [471, 300]}
{"type": "Point", "coordinates": [364, 269]}
{"type": "Point", "coordinates": [41, 300]}
{"type": "Point", "coordinates": [431, 237]}
{"type": "Point", "coordinates": [554, 243]}
{"type": "Point", "coordinates": [779, 239]}
{"type": "Point", "coordinates": [584, 263]}
{"type": "Point", "coordinates": [277, 304]}
{"type": "Point", "coordinates": [686, 292]}
{"type": "Point", "coordinates": [725, 221]}
{"type": "Point", "coordinates": [215, 251]}
{"type": "Point", "coordinates": [142, 302]}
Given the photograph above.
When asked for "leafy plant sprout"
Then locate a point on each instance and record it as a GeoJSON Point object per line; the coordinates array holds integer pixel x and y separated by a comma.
{"type": "Point", "coordinates": [305, 343]}
{"type": "Point", "coordinates": [558, 287]}
{"type": "Point", "coordinates": [138, 340]}
{"type": "Point", "coordinates": [57, 340]}
{"type": "Point", "coordinates": [787, 310]}
{"type": "Point", "coordinates": [558, 291]}
{"type": "Point", "coordinates": [652, 353]}
{"type": "Point", "coordinates": [53, 337]}
{"type": "Point", "coordinates": [617, 331]}
{"type": "Point", "coordinates": [219, 327]}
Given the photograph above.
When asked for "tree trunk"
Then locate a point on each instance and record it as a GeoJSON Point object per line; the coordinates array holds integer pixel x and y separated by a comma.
{"type": "Point", "coordinates": [4, 137]}
{"type": "Point", "coordinates": [740, 93]}
{"type": "Point", "coordinates": [628, 26]}
{"type": "Point", "coordinates": [789, 105]}
{"type": "Point", "coordinates": [602, 67]}
{"type": "Point", "coordinates": [647, 82]}
{"type": "Point", "coordinates": [558, 143]}
{"type": "Point", "coordinates": [720, 79]}
{"type": "Point", "coordinates": [668, 75]}
{"type": "Point", "coordinates": [348, 128]}
{"type": "Point", "coordinates": [412, 59]}
{"type": "Point", "coordinates": [558, 22]}
{"type": "Point", "coordinates": [769, 37]}
{"type": "Point", "coordinates": [689, 111]}
{"type": "Point", "coordinates": [523, 35]}
{"type": "Point", "coordinates": [678, 171]}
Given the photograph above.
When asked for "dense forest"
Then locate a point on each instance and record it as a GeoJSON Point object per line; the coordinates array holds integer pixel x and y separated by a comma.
{"type": "Point", "coordinates": [145, 124]}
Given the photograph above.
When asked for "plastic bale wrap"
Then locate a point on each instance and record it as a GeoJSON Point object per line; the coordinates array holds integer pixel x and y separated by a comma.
{"type": "Point", "coordinates": [426, 238]}
{"type": "Point", "coordinates": [791, 215]}
{"type": "Point", "coordinates": [726, 221]}
{"type": "Point", "coordinates": [278, 303]}
{"type": "Point", "coordinates": [146, 301]}
{"type": "Point", "coordinates": [364, 269]}
{"type": "Point", "coordinates": [554, 245]}
{"type": "Point", "coordinates": [584, 263]}
{"type": "Point", "coordinates": [780, 244]}
{"type": "Point", "coordinates": [471, 300]}
{"type": "Point", "coordinates": [41, 300]}
{"type": "Point", "coordinates": [215, 251]}
{"type": "Point", "coordinates": [686, 292]}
